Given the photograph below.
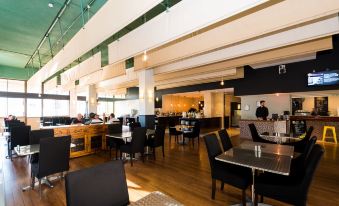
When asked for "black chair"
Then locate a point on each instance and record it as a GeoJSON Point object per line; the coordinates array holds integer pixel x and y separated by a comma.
{"type": "Point", "coordinates": [290, 189]}
{"type": "Point", "coordinates": [53, 158]}
{"type": "Point", "coordinates": [137, 145]}
{"type": "Point", "coordinates": [105, 185]}
{"type": "Point", "coordinates": [255, 135]}
{"type": "Point", "coordinates": [19, 136]}
{"type": "Point", "coordinates": [34, 138]}
{"type": "Point", "coordinates": [225, 139]}
{"type": "Point", "coordinates": [134, 125]}
{"type": "Point", "coordinates": [298, 163]}
{"type": "Point", "coordinates": [236, 176]}
{"type": "Point", "coordinates": [195, 133]}
{"type": "Point", "coordinates": [158, 140]}
{"type": "Point", "coordinates": [173, 131]}
{"type": "Point", "coordinates": [113, 142]}
{"type": "Point", "coordinates": [300, 146]}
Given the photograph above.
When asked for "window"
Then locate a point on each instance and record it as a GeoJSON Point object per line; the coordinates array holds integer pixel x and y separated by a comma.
{"type": "Point", "coordinates": [54, 107]}
{"type": "Point", "coordinates": [3, 85]}
{"type": "Point", "coordinates": [15, 86]}
{"type": "Point", "coordinates": [16, 106]}
{"type": "Point", "coordinates": [33, 107]}
{"type": "Point", "coordinates": [3, 107]}
{"type": "Point", "coordinates": [122, 108]}
{"type": "Point", "coordinates": [105, 107]}
{"type": "Point", "coordinates": [81, 107]}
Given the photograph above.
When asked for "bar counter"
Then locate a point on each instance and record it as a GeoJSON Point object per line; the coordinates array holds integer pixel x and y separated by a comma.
{"type": "Point", "coordinates": [87, 138]}
{"type": "Point", "coordinates": [281, 126]}
{"type": "Point", "coordinates": [318, 123]}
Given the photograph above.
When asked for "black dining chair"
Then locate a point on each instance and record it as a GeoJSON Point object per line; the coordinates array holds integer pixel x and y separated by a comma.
{"type": "Point", "coordinates": [290, 189]}
{"type": "Point", "coordinates": [158, 140]}
{"type": "Point", "coordinates": [113, 142]}
{"type": "Point", "coordinates": [195, 133]}
{"type": "Point", "coordinates": [225, 139]}
{"type": "Point", "coordinates": [299, 146]}
{"type": "Point", "coordinates": [53, 158]}
{"type": "Point", "coordinates": [137, 145]}
{"type": "Point", "coordinates": [105, 185]}
{"type": "Point", "coordinates": [19, 136]}
{"type": "Point", "coordinates": [234, 175]}
{"type": "Point", "coordinates": [173, 131]}
{"type": "Point", "coordinates": [34, 138]}
{"type": "Point", "coordinates": [134, 125]}
{"type": "Point", "coordinates": [255, 135]}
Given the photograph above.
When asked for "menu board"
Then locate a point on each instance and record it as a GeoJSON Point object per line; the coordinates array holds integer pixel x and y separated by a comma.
{"type": "Point", "coordinates": [323, 78]}
{"type": "Point", "coordinates": [298, 127]}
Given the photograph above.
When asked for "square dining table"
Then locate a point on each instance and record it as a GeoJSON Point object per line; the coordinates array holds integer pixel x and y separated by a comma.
{"type": "Point", "coordinates": [274, 158]}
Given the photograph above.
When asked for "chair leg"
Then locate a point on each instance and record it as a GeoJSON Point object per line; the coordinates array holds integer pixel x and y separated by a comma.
{"type": "Point", "coordinates": [40, 191]}
{"type": "Point", "coordinates": [255, 200]}
{"type": "Point", "coordinates": [32, 181]}
{"type": "Point", "coordinates": [243, 197]}
{"type": "Point", "coordinates": [143, 157]}
{"type": "Point", "coordinates": [222, 185]}
{"type": "Point", "coordinates": [170, 138]}
{"type": "Point", "coordinates": [163, 151]}
{"type": "Point", "coordinates": [261, 198]}
{"type": "Point", "coordinates": [193, 142]}
{"type": "Point", "coordinates": [131, 158]}
{"type": "Point", "coordinates": [110, 153]}
{"type": "Point", "coordinates": [213, 188]}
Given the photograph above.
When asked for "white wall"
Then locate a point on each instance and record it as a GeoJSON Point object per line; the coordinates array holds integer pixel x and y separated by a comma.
{"type": "Point", "coordinates": [275, 104]}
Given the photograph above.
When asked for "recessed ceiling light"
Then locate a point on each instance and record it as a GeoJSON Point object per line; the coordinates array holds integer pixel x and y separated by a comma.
{"type": "Point", "coordinates": [88, 6]}
{"type": "Point", "coordinates": [50, 5]}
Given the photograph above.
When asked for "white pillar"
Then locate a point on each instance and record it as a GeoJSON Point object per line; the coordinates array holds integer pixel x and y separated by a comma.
{"type": "Point", "coordinates": [91, 99]}
{"type": "Point", "coordinates": [146, 98]}
{"type": "Point", "coordinates": [73, 102]}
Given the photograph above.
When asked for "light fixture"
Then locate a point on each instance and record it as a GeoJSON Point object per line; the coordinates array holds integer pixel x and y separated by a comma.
{"type": "Point", "coordinates": [222, 82]}
{"type": "Point", "coordinates": [39, 95]}
{"type": "Point", "coordinates": [157, 99]}
{"type": "Point", "coordinates": [145, 57]}
{"type": "Point", "coordinates": [50, 5]}
{"type": "Point", "coordinates": [277, 94]}
{"type": "Point", "coordinates": [88, 6]}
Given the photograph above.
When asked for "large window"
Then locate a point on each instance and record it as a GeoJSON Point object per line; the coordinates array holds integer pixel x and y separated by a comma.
{"type": "Point", "coordinates": [81, 107]}
{"type": "Point", "coordinates": [12, 106]}
{"type": "Point", "coordinates": [54, 107]}
{"type": "Point", "coordinates": [34, 107]}
{"type": "Point", "coordinates": [126, 107]}
{"type": "Point", "coordinates": [105, 107]}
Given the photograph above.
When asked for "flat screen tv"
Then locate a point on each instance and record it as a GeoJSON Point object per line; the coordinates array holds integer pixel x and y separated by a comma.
{"type": "Point", "coordinates": [323, 78]}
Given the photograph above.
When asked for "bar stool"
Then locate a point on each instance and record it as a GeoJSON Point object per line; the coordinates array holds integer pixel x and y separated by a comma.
{"type": "Point", "coordinates": [332, 128]}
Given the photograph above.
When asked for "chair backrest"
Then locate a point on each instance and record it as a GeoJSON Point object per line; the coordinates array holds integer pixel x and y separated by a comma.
{"type": "Point", "coordinates": [196, 129]}
{"type": "Point", "coordinates": [114, 128]}
{"type": "Point", "coordinates": [300, 146]}
{"type": "Point", "coordinates": [138, 139]}
{"type": "Point", "coordinates": [20, 136]}
{"type": "Point", "coordinates": [54, 155]}
{"type": "Point", "coordinates": [254, 133]}
{"type": "Point", "coordinates": [213, 149]}
{"type": "Point", "coordinates": [159, 136]}
{"type": "Point", "coordinates": [134, 125]}
{"type": "Point", "coordinates": [225, 139]}
{"type": "Point", "coordinates": [105, 184]}
{"type": "Point", "coordinates": [309, 146]}
{"type": "Point", "coordinates": [14, 123]}
{"type": "Point", "coordinates": [36, 135]}
{"type": "Point", "coordinates": [311, 165]}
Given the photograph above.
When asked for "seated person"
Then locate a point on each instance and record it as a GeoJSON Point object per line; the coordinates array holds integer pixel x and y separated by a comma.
{"type": "Point", "coordinates": [78, 120]}
{"type": "Point", "coordinates": [112, 118]}
{"type": "Point", "coordinates": [95, 118]}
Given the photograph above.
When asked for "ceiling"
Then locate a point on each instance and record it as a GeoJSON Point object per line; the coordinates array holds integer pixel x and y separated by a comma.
{"type": "Point", "coordinates": [24, 24]}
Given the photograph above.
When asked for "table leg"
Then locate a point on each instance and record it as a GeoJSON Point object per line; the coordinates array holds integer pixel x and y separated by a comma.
{"type": "Point", "coordinates": [253, 193]}
{"type": "Point", "coordinates": [45, 181]}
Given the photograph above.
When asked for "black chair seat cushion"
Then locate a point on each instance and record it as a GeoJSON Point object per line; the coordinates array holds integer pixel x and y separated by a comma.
{"type": "Point", "coordinates": [234, 175]}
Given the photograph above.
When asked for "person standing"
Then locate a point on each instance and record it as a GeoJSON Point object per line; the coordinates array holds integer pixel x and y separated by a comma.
{"type": "Point", "coordinates": [262, 111]}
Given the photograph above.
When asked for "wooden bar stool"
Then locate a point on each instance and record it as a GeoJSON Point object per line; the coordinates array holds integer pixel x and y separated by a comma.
{"type": "Point", "coordinates": [332, 128]}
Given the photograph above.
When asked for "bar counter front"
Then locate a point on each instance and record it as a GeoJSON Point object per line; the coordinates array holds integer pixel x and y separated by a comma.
{"type": "Point", "coordinates": [87, 138]}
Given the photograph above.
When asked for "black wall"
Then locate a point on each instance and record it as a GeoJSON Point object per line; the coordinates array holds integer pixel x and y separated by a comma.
{"type": "Point", "coordinates": [267, 80]}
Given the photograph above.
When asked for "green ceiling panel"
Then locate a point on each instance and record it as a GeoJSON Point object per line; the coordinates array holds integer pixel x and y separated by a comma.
{"type": "Point", "coordinates": [7, 72]}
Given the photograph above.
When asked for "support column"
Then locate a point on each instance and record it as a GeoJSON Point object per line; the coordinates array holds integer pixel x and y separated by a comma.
{"type": "Point", "coordinates": [73, 102]}
{"type": "Point", "coordinates": [207, 104]}
{"type": "Point", "coordinates": [146, 98]}
{"type": "Point", "coordinates": [91, 99]}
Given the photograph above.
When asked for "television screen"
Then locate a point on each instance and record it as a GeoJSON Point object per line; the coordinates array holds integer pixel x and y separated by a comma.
{"type": "Point", "coordinates": [323, 78]}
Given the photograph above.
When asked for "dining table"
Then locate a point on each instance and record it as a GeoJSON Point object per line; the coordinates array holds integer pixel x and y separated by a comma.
{"type": "Point", "coordinates": [280, 138]}
{"type": "Point", "coordinates": [265, 157]}
{"type": "Point", "coordinates": [184, 128]}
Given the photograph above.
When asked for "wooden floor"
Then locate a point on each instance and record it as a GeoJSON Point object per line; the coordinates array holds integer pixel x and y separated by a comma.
{"type": "Point", "coordinates": [184, 174]}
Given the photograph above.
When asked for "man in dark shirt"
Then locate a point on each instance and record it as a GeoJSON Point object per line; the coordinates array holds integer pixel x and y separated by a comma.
{"type": "Point", "coordinates": [262, 111]}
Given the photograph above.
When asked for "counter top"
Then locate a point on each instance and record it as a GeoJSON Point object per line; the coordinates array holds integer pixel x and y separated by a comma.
{"type": "Point", "coordinates": [258, 120]}
{"type": "Point", "coordinates": [316, 118]}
